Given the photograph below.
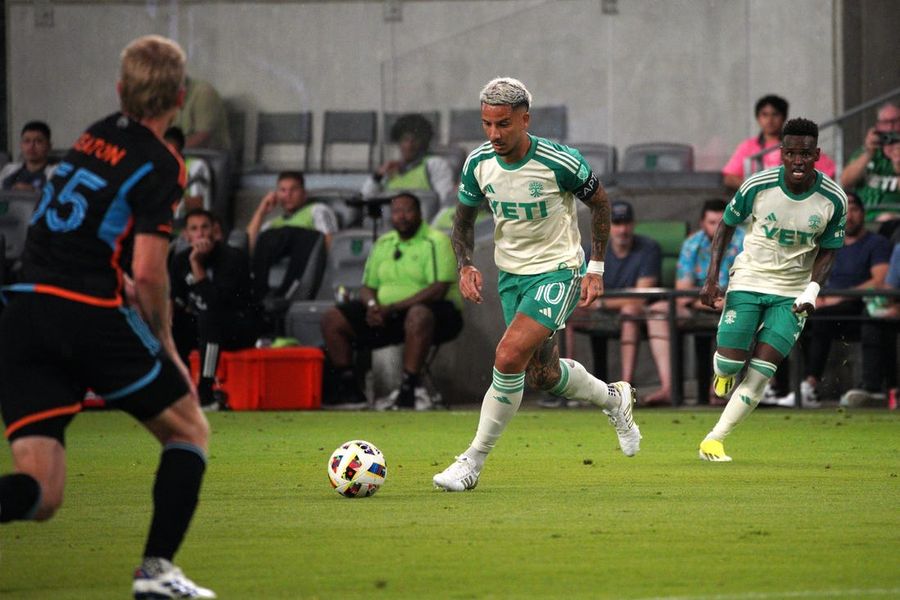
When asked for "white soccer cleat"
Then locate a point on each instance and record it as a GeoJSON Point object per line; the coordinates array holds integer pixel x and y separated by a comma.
{"type": "Point", "coordinates": [622, 419]}
{"type": "Point", "coordinates": [159, 578]}
{"type": "Point", "coordinates": [460, 476]}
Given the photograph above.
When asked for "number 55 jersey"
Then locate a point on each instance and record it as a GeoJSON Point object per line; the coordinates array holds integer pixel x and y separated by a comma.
{"type": "Point", "coordinates": [118, 179]}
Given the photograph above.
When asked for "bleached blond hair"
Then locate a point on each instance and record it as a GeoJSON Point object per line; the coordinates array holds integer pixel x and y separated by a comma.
{"type": "Point", "coordinates": [506, 91]}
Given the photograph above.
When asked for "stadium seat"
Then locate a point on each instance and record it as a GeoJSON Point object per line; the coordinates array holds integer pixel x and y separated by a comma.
{"type": "Point", "coordinates": [348, 128]}
{"type": "Point", "coordinates": [549, 122]}
{"type": "Point", "coordinates": [465, 126]}
{"type": "Point", "coordinates": [659, 156]}
{"type": "Point", "coordinates": [601, 157]}
{"type": "Point", "coordinates": [237, 130]}
{"type": "Point", "coordinates": [221, 186]}
{"type": "Point", "coordinates": [288, 266]}
{"type": "Point", "coordinates": [285, 128]}
{"type": "Point", "coordinates": [346, 261]}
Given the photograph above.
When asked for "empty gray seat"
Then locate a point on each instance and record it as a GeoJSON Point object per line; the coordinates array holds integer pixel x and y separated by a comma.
{"type": "Point", "coordinates": [284, 128]}
{"type": "Point", "coordinates": [659, 156]}
{"type": "Point", "coordinates": [601, 157]}
{"type": "Point", "coordinates": [346, 262]}
{"type": "Point", "coordinates": [346, 128]}
{"type": "Point", "coordinates": [465, 126]}
{"type": "Point", "coordinates": [222, 184]}
{"type": "Point", "coordinates": [549, 122]}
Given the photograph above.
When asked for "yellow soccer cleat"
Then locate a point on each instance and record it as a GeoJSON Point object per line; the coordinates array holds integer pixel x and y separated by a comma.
{"type": "Point", "coordinates": [713, 451]}
{"type": "Point", "coordinates": [722, 386]}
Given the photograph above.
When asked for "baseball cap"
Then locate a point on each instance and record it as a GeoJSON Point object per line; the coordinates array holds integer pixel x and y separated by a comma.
{"type": "Point", "coordinates": [621, 212]}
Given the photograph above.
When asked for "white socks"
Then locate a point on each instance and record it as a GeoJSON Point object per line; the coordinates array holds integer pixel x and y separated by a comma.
{"type": "Point", "coordinates": [501, 401]}
{"type": "Point", "coordinates": [743, 400]}
{"type": "Point", "coordinates": [577, 384]}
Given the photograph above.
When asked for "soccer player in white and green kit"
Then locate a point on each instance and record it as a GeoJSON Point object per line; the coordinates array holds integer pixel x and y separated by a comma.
{"type": "Point", "coordinates": [797, 217]}
{"type": "Point", "coordinates": [531, 185]}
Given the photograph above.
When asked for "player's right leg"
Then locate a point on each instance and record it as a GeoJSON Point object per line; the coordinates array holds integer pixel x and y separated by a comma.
{"type": "Point", "coordinates": [183, 431]}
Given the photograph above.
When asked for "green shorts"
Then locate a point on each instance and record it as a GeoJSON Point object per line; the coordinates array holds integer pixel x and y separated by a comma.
{"type": "Point", "coordinates": [548, 298]}
{"type": "Point", "coordinates": [767, 316]}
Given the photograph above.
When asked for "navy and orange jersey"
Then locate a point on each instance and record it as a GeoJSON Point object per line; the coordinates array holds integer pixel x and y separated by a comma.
{"type": "Point", "coordinates": [119, 179]}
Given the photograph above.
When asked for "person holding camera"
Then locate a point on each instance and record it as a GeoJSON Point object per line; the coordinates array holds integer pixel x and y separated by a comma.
{"type": "Point", "coordinates": [873, 171]}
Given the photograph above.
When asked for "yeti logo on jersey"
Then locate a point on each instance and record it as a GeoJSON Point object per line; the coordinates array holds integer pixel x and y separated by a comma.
{"type": "Point", "coordinates": [815, 221]}
{"type": "Point", "coordinates": [535, 188]}
{"type": "Point", "coordinates": [787, 237]}
{"type": "Point", "coordinates": [529, 210]}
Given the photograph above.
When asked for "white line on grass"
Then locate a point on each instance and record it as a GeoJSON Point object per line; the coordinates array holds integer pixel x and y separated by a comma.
{"type": "Point", "coordinates": [797, 594]}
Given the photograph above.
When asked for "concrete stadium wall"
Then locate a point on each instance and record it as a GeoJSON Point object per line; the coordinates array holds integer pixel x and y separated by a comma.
{"type": "Point", "coordinates": [674, 70]}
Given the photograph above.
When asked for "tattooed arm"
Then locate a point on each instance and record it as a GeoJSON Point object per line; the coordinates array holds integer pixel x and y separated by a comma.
{"type": "Point", "coordinates": [463, 240]}
{"type": "Point", "coordinates": [592, 284]}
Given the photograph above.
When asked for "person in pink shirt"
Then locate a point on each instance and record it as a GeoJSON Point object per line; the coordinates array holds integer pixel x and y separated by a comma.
{"type": "Point", "coordinates": [771, 113]}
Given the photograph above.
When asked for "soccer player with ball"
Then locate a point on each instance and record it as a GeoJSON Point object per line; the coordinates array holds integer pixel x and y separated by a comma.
{"type": "Point", "coordinates": [797, 217]}
{"type": "Point", "coordinates": [531, 185]}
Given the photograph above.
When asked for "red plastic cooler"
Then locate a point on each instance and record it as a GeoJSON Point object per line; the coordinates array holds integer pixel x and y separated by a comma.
{"type": "Point", "coordinates": [270, 379]}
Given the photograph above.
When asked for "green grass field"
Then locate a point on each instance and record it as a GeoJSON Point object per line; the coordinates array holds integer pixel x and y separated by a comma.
{"type": "Point", "coordinates": [809, 509]}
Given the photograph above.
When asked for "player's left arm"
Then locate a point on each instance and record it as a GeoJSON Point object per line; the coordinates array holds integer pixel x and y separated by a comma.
{"type": "Point", "coordinates": [594, 196]}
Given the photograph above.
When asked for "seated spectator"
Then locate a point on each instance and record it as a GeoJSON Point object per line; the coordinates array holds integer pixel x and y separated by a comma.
{"type": "Point", "coordinates": [32, 172]}
{"type": "Point", "coordinates": [409, 296]}
{"type": "Point", "coordinates": [290, 195]}
{"type": "Point", "coordinates": [873, 171]}
{"type": "Point", "coordinates": [212, 306]}
{"type": "Point", "coordinates": [861, 263]}
{"type": "Point", "coordinates": [771, 113]}
{"type": "Point", "coordinates": [693, 263]}
{"type": "Point", "coordinates": [197, 192]}
{"type": "Point", "coordinates": [632, 261]}
{"type": "Point", "coordinates": [203, 118]}
{"type": "Point", "coordinates": [415, 169]}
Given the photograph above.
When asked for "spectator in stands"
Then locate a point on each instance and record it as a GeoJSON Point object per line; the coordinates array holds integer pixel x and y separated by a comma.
{"type": "Point", "coordinates": [409, 296]}
{"type": "Point", "coordinates": [771, 113]}
{"type": "Point", "coordinates": [873, 171]}
{"type": "Point", "coordinates": [693, 263]}
{"type": "Point", "coordinates": [203, 118]}
{"type": "Point", "coordinates": [415, 169]}
{"type": "Point", "coordinates": [632, 261]}
{"type": "Point", "coordinates": [32, 172]}
{"type": "Point", "coordinates": [212, 305]}
{"type": "Point", "coordinates": [861, 263]}
{"type": "Point", "coordinates": [197, 192]}
{"type": "Point", "coordinates": [290, 195]}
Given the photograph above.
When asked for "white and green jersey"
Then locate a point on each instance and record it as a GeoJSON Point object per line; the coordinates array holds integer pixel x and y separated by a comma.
{"type": "Point", "coordinates": [533, 202]}
{"type": "Point", "coordinates": [786, 231]}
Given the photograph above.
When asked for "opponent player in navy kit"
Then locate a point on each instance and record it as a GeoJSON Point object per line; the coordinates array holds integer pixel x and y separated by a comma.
{"type": "Point", "coordinates": [68, 326]}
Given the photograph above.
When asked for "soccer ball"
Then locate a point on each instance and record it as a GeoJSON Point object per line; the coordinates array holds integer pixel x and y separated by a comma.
{"type": "Point", "coordinates": [356, 469]}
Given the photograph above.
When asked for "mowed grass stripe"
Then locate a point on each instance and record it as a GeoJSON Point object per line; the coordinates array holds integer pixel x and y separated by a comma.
{"type": "Point", "coordinates": [808, 505]}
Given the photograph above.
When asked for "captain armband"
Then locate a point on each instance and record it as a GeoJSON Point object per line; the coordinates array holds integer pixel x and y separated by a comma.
{"type": "Point", "coordinates": [586, 191]}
